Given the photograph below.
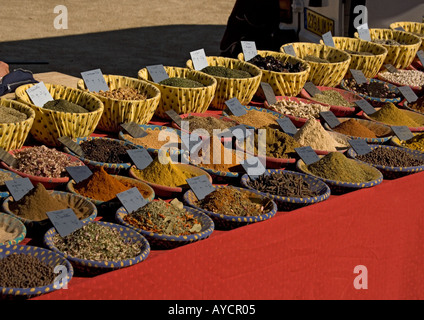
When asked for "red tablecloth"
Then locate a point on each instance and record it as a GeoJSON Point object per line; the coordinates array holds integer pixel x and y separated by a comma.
{"type": "Point", "coordinates": [310, 253]}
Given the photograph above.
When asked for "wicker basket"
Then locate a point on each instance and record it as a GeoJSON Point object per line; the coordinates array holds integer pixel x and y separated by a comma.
{"type": "Point", "coordinates": [401, 56]}
{"type": "Point", "coordinates": [416, 28]}
{"type": "Point", "coordinates": [50, 125]}
{"type": "Point", "coordinates": [117, 111]}
{"type": "Point", "coordinates": [183, 100]}
{"type": "Point", "coordinates": [323, 74]}
{"type": "Point", "coordinates": [284, 83]}
{"type": "Point", "coordinates": [369, 65]}
{"type": "Point", "coordinates": [14, 135]}
{"type": "Point", "coordinates": [242, 89]}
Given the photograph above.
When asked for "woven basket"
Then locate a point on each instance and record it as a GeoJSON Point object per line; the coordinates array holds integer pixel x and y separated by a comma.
{"type": "Point", "coordinates": [284, 83]}
{"type": "Point", "coordinates": [369, 65]}
{"type": "Point", "coordinates": [242, 89]}
{"type": "Point", "coordinates": [117, 111]}
{"type": "Point", "coordinates": [323, 74]}
{"type": "Point", "coordinates": [50, 125]}
{"type": "Point", "coordinates": [182, 100]}
{"type": "Point", "coordinates": [416, 28]}
{"type": "Point", "coordinates": [14, 135]}
{"type": "Point", "coordinates": [401, 56]}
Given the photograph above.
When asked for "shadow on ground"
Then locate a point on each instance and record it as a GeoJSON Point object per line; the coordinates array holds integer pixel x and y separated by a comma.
{"type": "Point", "coordinates": [120, 52]}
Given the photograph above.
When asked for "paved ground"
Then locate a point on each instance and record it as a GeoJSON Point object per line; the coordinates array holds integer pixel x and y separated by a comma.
{"type": "Point", "coordinates": [120, 37]}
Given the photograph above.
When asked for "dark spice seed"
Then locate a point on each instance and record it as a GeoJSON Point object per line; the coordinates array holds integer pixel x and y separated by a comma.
{"type": "Point", "coordinates": [270, 63]}
{"type": "Point", "coordinates": [284, 185]}
{"type": "Point", "coordinates": [391, 158]}
{"type": "Point", "coordinates": [25, 271]}
{"type": "Point", "coordinates": [107, 151]}
{"type": "Point", "coordinates": [372, 89]}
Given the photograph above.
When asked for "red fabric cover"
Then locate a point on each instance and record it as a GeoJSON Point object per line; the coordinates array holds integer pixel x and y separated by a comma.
{"type": "Point", "coordinates": [307, 254]}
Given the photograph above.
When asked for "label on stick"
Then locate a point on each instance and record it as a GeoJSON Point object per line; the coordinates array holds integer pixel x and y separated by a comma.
{"type": "Point", "coordinates": [199, 59]}
{"type": "Point", "coordinates": [157, 73]}
{"type": "Point", "coordinates": [7, 158]}
{"type": "Point", "coordinates": [391, 68]}
{"type": "Point", "coordinates": [359, 76]}
{"type": "Point", "coordinates": [290, 50]}
{"type": "Point", "coordinates": [403, 132]}
{"type": "Point", "coordinates": [94, 80]}
{"type": "Point", "coordinates": [311, 89]}
{"type": "Point", "coordinates": [400, 29]}
{"type": "Point", "coordinates": [65, 221]}
{"type": "Point", "coordinates": [328, 39]}
{"type": "Point", "coordinates": [249, 50]}
{"type": "Point", "coordinates": [287, 126]}
{"type": "Point", "coordinates": [18, 188]}
{"type": "Point", "coordinates": [360, 146]}
{"type": "Point", "coordinates": [174, 117]}
{"type": "Point", "coordinates": [39, 94]}
{"type": "Point", "coordinates": [132, 200]}
{"type": "Point", "coordinates": [71, 145]}
{"type": "Point", "coordinates": [364, 34]}
{"type": "Point", "coordinates": [235, 107]}
{"type": "Point", "coordinates": [253, 167]}
{"type": "Point", "coordinates": [330, 118]}
{"type": "Point", "coordinates": [134, 130]}
{"type": "Point", "coordinates": [269, 93]}
{"type": "Point", "coordinates": [365, 106]}
{"type": "Point", "coordinates": [308, 155]}
{"type": "Point", "coordinates": [140, 157]}
{"type": "Point", "coordinates": [409, 94]}
{"type": "Point", "coordinates": [201, 186]}
{"type": "Point", "coordinates": [420, 55]}
{"type": "Point", "coordinates": [79, 173]}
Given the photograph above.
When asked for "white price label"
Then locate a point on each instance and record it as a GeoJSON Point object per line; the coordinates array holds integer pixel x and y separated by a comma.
{"type": "Point", "coordinates": [249, 50]}
{"type": "Point", "coordinates": [95, 81]}
{"type": "Point", "coordinates": [199, 59]}
{"type": "Point", "coordinates": [39, 94]}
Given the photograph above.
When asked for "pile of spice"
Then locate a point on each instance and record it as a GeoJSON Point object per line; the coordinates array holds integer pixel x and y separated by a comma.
{"type": "Point", "coordinates": [223, 72]}
{"type": "Point", "coordinates": [97, 242]}
{"type": "Point", "coordinates": [101, 186]}
{"type": "Point", "coordinates": [106, 151]}
{"type": "Point", "coordinates": [391, 158]}
{"type": "Point", "coordinates": [156, 139]}
{"type": "Point", "coordinates": [208, 123]}
{"type": "Point", "coordinates": [164, 218]}
{"type": "Point", "coordinates": [354, 128]}
{"type": "Point", "coordinates": [361, 53]}
{"type": "Point", "coordinates": [163, 172]}
{"type": "Point", "coordinates": [333, 97]}
{"type": "Point", "coordinates": [392, 115]}
{"type": "Point", "coordinates": [36, 203]}
{"type": "Point", "coordinates": [299, 109]}
{"type": "Point", "coordinates": [43, 162]}
{"type": "Point", "coordinates": [181, 83]}
{"type": "Point", "coordinates": [335, 166]}
{"type": "Point", "coordinates": [5, 176]}
{"type": "Point", "coordinates": [418, 105]}
{"type": "Point", "coordinates": [388, 42]}
{"type": "Point", "coordinates": [219, 158]}
{"type": "Point", "coordinates": [271, 63]}
{"type": "Point", "coordinates": [256, 119]}
{"type": "Point", "coordinates": [316, 59]}
{"type": "Point", "coordinates": [278, 144]}
{"type": "Point", "coordinates": [412, 78]}
{"type": "Point", "coordinates": [372, 89]}
{"type": "Point", "coordinates": [8, 233]}
{"type": "Point", "coordinates": [416, 143]}
{"type": "Point", "coordinates": [313, 134]}
{"type": "Point", "coordinates": [284, 185]}
{"type": "Point", "coordinates": [62, 105]}
{"type": "Point", "coordinates": [25, 271]}
{"type": "Point", "coordinates": [124, 93]}
{"type": "Point", "coordinates": [232, 202]}
{"type": "Point", "coordinates": [10, 115]}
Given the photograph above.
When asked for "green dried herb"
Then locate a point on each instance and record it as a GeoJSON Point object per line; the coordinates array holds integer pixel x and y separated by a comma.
{"type": "Point", "coordinates": [224, 72]}
{"type": "Point", "coordinates": [64, 106]}
{"type": "Point", "coordinates": [97, 242]}
{"type": "Point", "coordinates": [181, 83]}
